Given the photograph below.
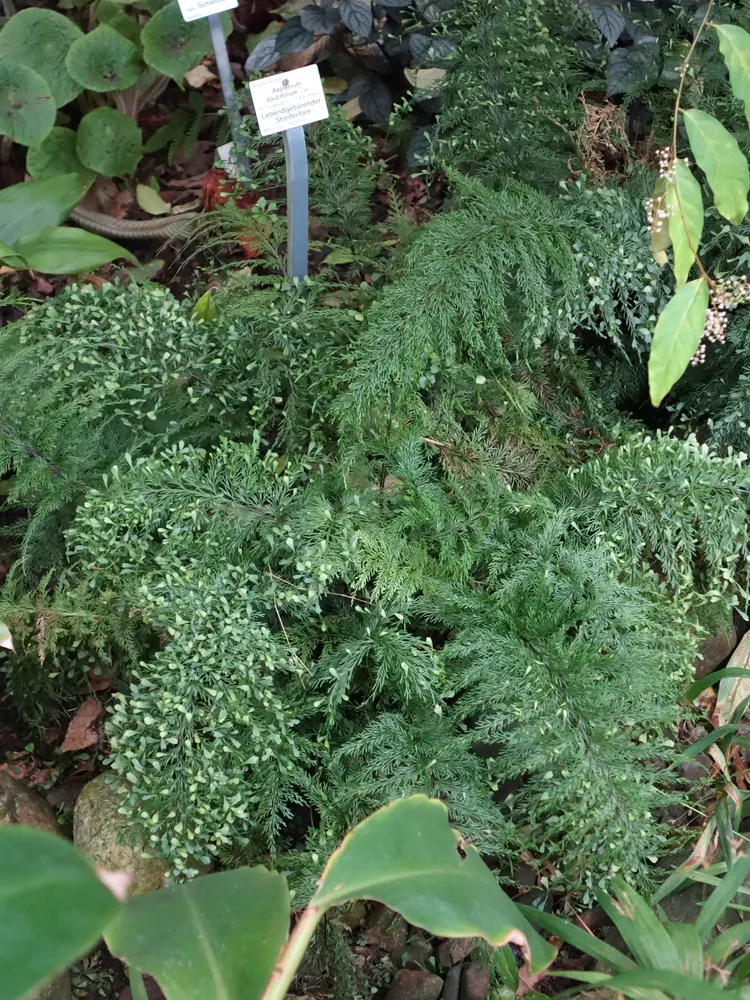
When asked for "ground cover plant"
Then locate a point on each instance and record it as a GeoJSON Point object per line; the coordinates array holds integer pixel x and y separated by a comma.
{"type": "Point", "coordinates": [276, 553]}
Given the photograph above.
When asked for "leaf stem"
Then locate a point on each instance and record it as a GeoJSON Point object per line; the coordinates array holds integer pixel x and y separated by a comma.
{"type": "Point", "coordinates": [292, 954]}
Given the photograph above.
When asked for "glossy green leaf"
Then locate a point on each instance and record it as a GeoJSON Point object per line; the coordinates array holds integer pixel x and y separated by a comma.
{"type": "Point", "coordinates": [104, 60]}
{"type": "Point", "coordinates": [639, 927]}
{"type": "Point", "coordinates": [67, 250]}
{"type": "Point", "coordinates": [717, 154]}
{"type": "Point", "coordinates": [173, 46]}
{"type": "Point", "coordinates": [406, 856]}
{"type": "Point", "coordinates": [57, 155]}
{"type": "Point", "coordinates": [53, 908]}
{"type": "Point", "coordinates": [39, 38]}
{"type": "Point", "coordinates": [734, 44]}
{"type": "Point", "coordinates": [205, 308]}
{"type": "Point", "coordinates": [676, 338]}
{"type": "Point", "coordinates": [685, 207]}
{"type": "Point", "coordinates": [26, 209]}
{"type": "Point", "coordinates": [109, 142]}
{"type": "Point", "coordinates": [714, 907]}
{"type": "Point", "coordinates": [582, 940]}
{"type": "Point", "coordinates": [27, 111]}
{"type": "Point", "coordinates": [217, 936]}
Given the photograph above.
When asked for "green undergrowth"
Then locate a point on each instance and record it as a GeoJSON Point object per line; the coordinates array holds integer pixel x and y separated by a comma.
{"type": "Point", "coordinates": [383, 532]}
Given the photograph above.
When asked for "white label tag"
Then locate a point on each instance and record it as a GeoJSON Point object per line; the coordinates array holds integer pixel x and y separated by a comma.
{"type": "Point", "coordinates": [288, 99]}
{"type": "Point", "coordinates": [193, 9]}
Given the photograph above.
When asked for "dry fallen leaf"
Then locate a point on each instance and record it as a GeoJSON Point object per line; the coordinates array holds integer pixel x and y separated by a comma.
{"type": "Point", "coordinates": [199, 76]}
{"type": "Point", "coordinates": [352, 108]}
{"type": "Point", "coordinates": [734, 690]}
{"type": "Point", "coordinates": [83, 730]}
{"type": "Point", "coordinates": [6, 639]}
{"type": "Point", "coordinates": [425, 79]}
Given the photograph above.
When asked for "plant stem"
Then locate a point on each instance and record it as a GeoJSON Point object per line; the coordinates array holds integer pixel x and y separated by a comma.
{"type": "Point", "coordinates": [677, 108]}
{"type": "Point", "coordinates": [292, 955]}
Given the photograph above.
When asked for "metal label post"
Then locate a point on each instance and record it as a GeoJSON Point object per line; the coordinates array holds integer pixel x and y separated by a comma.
{"type": "Point", "coordinates": [297, 207]}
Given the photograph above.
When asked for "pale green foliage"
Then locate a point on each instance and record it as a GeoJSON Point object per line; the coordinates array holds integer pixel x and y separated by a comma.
{"type": "Point", "coordinates": [109, 142]}
{"type": "Point", "coordinates": [39, 39]}
{"type": "Point", "coordinates": [676, 337]}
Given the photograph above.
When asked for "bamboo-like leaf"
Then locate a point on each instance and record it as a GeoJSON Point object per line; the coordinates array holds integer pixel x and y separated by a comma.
{"type": "Point", "coordinates": [701, 685]}
{"type": "Point", "coordinates": [641, 930]}
{"type": "Point", "coordinates": [676, 338]}
{"type": "Point", "coordinates": [721, 897]}
{"type": "Point", "coordinates": [406, 856]}
{"type": "Point", "coordinates": [734, 44]}
{"type": "Point", "coordinates": [722, 947]}
{"type": "Point", "coordinates": [720, 158]}
{"type": "Point", "coordinates": [689, 949]}
{"type": "Point", "coordinates": [634, 984]}
{"type": "Point", "coordinates": [685, 207]}
{"type": "Point", "coordinates": [579, 938]}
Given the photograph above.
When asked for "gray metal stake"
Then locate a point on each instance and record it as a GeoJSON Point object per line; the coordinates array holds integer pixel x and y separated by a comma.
{"type": "Point", "coordinates": [297, 201]}
{"type": "Point", "coordinates": [225, 75]}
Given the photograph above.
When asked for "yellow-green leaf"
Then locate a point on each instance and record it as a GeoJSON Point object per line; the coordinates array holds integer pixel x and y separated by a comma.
{"type": "Point", "coordinates": [734, 44]}
{"type": "Point", "coordinates": [151, 201]}
{"type": "Point", "coordinates": [205, 308]}
{"type": "Point", "coordinates": [406, 856]}
{"type": "Point", "coordinates": [685, 206]}
{"type": "Point", "coordinates": [717, 154]}
{"type": "Point", "coordinates": [676, 337]}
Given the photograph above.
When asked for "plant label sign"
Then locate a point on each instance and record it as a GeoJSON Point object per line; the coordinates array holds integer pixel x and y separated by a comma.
{"type": "Point", "coordinates": [286, 100]}
{"type": "Point", "coordinates": [193, 9]}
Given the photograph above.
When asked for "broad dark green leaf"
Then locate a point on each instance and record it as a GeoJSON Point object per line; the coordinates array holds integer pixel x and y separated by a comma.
{"type": "Point", "coordinates": [294, 37]}
{"type": "Point", "coordinates": [609, 21]}
{"type": "Point", "coordinates": [104, 60]}
{"type": "Point", "coordinates": [717, 154]}
{"type": "Point", "coordinates": [357, 16]}
{"type": "Point", "coordinates": [264, 55]}
{"type": "Point", "coordinates": [67, 250]}
{"type": "Point", "coordinates": [27, 110]}
{"type": "Point", "coordinates": [734, 44]}
{"type": "Point", "coordinates": [376, 101]}
{"type": "Point", "coordinates": [56, 155]}
{"type": "Point", "coordinates": [406, 856]}
{"type": "Point", "coordinates": [39, 38]}
{"type": "Point", "coordinates": [633, 69]}
{"type": "Point", "coordinates": [10, 258]}
{"type": "Point", "coordinates": [323, 21]}
{"type": "Point", "coordinates": [26, 209]}
{"type": "Point", "coordinates": [109, 142]}
{"type": "Point", "coordinates": [676, 338]}
{"type": "Point", "coordinates": [216, 937]}
{"type": "Point", "coordinates": [685, 206]}
{"type": "Point", "coordinates": [641, 930]}
{"type": "Point", "coordinates": [53, 908]}
{"type": "Point", "coordinates": [714, 907]}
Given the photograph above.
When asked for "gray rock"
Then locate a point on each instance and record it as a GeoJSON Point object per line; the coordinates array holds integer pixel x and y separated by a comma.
{"type": "Point", "coordinates": [387, 931]}
{"type": "Point", "coordinates": [475, 982]}
{"type": "Point", "coordinates": [714, 650]}
{"type": "Point", "coordinates": [454, 950]}
{"type": "Point", "coordinates": [417, 954]}
{"type": "Point", "coordinates": [18, 804]}
{"type": "Point", "coordinates": [414, 984]}
{"type": "Point", "coordinates": [100, 831]}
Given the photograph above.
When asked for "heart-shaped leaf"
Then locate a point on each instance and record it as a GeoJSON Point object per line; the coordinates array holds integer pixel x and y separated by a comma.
{"type": "Point", "coordinates": [104, 60]}
{"type": "Point", "coordinates": [109, 142]}
{"type": "Point", "coordinates": [406, 856]}
{"type": "Point", "coordinates": [27, 111]}
{"type": "Point", "coordinates": [53, 908]}
{"type": "Point", "coordinates": [218, 936]}
{"type": "Point", "coordinates": [718, 155]}
{"type": "Point", "coordinates": [293, 37]}
{"type": "Point", "coordinates": [676, 338]}
{"type": "Point", "coordinates": [357, 16]}
{"type": "Point", "coordinates": [57, 155]}
{"type": "Point", "coordinates": [39, 39]}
